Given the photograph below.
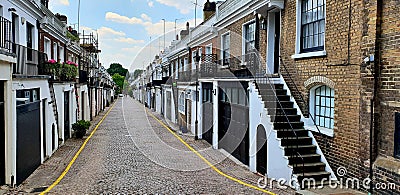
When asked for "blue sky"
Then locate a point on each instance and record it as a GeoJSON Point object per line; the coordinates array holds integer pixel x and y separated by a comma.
{"type": "Point", "coordinates": [125, 27]}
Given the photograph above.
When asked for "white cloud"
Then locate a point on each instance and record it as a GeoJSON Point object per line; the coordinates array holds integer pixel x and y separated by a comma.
{"type": "Point", "coordinates": [115, 46]}
{"type": "Point", "coordinates": [105, 32]}
{"type": "Point", "coordinates": [110, 16]}
{"type": "Point", "coordinates": [129, 40]}
{"type": "Point", "coordinates": [145, 17]}
{"type": "Point", "coordinates": [184, 6]}
{"type": "Point", "coordinates": [56, 3]}
{"type": "Point", "coordinates": [150, 3]}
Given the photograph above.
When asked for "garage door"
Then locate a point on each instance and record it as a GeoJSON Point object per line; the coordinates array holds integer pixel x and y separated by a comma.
{"type": "Point", "coordinates": [233, 131]}
{"type": "Point", "coordinates": [28, 139]}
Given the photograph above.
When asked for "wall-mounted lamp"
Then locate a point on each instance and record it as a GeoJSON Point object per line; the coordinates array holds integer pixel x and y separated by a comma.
{"type": "Point", "coordinates": [23, 20]}
{"type": "Point", "coordinates": [263, 23]}
{"type": "Point", "coordinates": [11, 9]}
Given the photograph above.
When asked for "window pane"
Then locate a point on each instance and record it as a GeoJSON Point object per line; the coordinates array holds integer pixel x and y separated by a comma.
{"type": "Point", "coordinates": [313, 20]}
{"type": "Point", "coordinates": [235, 95]}
{"type": "Point", "coordinates": [229, 94]}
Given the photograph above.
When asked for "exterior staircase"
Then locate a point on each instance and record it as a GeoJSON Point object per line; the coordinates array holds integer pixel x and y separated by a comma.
{"type": "Point", "coordinates": [295, 140]}
{"type": "Point", "coordinates": [53, 102]}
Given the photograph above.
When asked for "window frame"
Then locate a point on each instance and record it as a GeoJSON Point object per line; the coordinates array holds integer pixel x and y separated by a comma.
{"type": "Point", "coordinates": [323, 107]}
{"type": "Point", "coordinates": [309, 123]}
{"type": "Point", "coordinates": [312, 23]}
{"type": "Point", "coordinates": [223, 49]}
{"type": "Point", "coordinates": [181, 102]}
{"type": "Point", "coordinates": [245, 33]}
{"type": "Point", "coordinates": [299, 52]}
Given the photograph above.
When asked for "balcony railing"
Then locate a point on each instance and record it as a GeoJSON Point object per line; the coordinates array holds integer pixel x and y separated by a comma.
{"type": "Point", "coordinates": [5, 36]}
{"type": "Point", "coordinates": [246, 66]}
{"type": "Point", "coordinates": [28, 61]}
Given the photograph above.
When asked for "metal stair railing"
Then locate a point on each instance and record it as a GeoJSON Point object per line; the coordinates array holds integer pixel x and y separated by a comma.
{"type": "Point", "coordinates": [253, 63]}
{"type": "Point", "coordinates": [297, 91]}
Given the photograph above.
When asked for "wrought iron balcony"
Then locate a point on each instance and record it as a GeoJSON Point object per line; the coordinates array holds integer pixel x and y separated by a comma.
{"type": "Point", "coordinates": [5, 36]}
{"type": "Point", "coordinates": [28, 61]}
{"type": "Point", "coordinates": [246, 66]}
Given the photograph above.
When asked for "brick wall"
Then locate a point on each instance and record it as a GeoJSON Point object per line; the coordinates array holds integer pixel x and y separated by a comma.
{"type": "Point", "coordinates": [387, 104]}
{"type": "Point", "coordinates": [347, 147]}
{"type": "Point", "coordinates": [53, 40]}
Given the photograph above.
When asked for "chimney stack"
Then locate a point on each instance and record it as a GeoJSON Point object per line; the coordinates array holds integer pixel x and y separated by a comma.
{"type": "Point", "coordinates": [62, 18]}
{"type": "Point", "coordinates": [209, 9]}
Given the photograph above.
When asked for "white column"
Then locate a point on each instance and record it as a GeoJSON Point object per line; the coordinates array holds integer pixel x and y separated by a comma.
{"type": "Point", "coordinates": [215, 114]}
{"type": "Point", "coordinates": [253, 112]}
{"type": "Point", "coordinates": [198, 103]}
{"type": "Point", "coordinates": [11, 133]}
{"type": "Point", "coordinates": [271, 42]}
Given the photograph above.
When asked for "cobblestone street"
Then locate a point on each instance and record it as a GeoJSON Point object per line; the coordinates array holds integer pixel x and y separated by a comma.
{"type": "Point", "coordinates": [147, 158]}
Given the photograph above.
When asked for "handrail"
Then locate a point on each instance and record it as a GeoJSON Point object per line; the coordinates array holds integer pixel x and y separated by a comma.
{"type": "Point", "coordinates": [257, 71]}
{"type": "Point", "coordinates": [301, 97]}
{"type": "Point", "coordinates": [5, 35]}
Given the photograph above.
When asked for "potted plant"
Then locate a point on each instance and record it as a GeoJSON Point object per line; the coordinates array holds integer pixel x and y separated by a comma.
{"type": "Point", "coordinates": [80, 128]}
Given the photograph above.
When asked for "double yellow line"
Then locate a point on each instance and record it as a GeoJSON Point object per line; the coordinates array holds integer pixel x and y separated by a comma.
{"type": "Point", "coordinates": [77, 154]}
{"type": "Point", "coordinates": [173, 133]}
{"type": "Point", "coordinates": [208, 162]}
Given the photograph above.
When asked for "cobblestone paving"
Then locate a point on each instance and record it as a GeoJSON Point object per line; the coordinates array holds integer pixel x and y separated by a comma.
{"type": "Point", "coordinates": [145, 158]}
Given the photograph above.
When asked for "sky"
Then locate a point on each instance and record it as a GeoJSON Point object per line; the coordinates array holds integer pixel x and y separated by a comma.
{"type": "Point", "coordinates": [130, 31]}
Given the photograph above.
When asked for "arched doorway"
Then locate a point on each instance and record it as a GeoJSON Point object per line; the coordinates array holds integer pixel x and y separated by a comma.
{"type": "Point", "coordinates": [261, 150]}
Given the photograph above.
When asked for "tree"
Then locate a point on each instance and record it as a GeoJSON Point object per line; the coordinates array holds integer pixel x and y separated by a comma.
{"type": "Point", "coordinates": [137, 73]}
{"type": "Point", "coordinates": [117, 68]}
{"type": "Point", "coordinates": [119, 80]}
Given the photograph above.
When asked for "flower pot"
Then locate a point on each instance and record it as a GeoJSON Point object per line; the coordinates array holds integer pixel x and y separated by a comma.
{"type": "Point", "coordinates": [80, 134]}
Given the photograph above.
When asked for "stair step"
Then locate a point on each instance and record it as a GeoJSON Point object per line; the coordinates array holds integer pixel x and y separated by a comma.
{"type": "Point", "coordinates": [268, 86]}
{"type": "Point", "coordinates": [286, 125]}
{"type": "Point", "coordinates": [273, 92]}
{"type": "Point", "coordinates": [280, 111]}
{"type": "Point", "coordinates": [318, 175]}
{"type": "Point", "coordinates": [282, 133]}
{"type": "Point", "coordinates": [285, 118]}
{"type": "Point", "coordinates": [291, 141]}
{"type": "Point", "coordinates": [308, 167]}
{"type": "Point", "coordinates": [306, 158]}
{"type": "Point", "coordinates": [301, 149]}
{"type": "Point", "coordinates": [273, 97]}
{"type": "Point", "coordinates": [279, 104]}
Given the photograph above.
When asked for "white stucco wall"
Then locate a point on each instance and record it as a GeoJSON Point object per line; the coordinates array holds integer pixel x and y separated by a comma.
{"type": "Point", "coordinates": [19, 84]}
{"type": "Point", "coordinates": [258, 115]}
{"type": "Point", "coordinates": [23, 15]}
{"type": "Point", "coordinates": [85, 115]}
{"type": "Point", "coordinates": [59, 89]}
{"type": "Point", "coordinates": [10, 132]}
{"type": "Point", "coordinates": [158, 99]}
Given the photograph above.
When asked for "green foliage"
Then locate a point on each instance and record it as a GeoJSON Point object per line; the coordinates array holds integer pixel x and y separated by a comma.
{"type": "Point", "coordinates": [119, 80]}
{"type": "Point", "coordinates": [137, 73]}
{"type": "Point", "coordinates": [72, 37]}
{"type": "Point", "coordinates": [117, 68]}
{"type": "Point", "coordinates": [80, 128]}
{"type": "Point", "coordinates": [64, 72]}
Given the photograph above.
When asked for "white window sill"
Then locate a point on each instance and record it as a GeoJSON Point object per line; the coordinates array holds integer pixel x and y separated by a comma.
{"type": "Point", "coordinates": [324, 131]}
{"type": "Point", "coordinates": [309, 54]}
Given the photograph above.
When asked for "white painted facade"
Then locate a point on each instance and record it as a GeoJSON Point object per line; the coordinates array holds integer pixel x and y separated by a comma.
{"type": "Point", "coordinates": [84, 107]}
{"type": "Point", "coordinates": [43, 85]}
{"type": "Point", "coordinates": [60, 89]}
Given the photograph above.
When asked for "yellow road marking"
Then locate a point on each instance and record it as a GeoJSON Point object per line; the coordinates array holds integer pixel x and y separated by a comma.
{"type": "Point", "coordinates": [208, 162]}
{"type": "Point", "coordinates": [77, 154]}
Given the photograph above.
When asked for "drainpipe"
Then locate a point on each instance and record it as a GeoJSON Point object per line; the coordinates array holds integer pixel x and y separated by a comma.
{"type": "Point", "coordinates": [375, 100]}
